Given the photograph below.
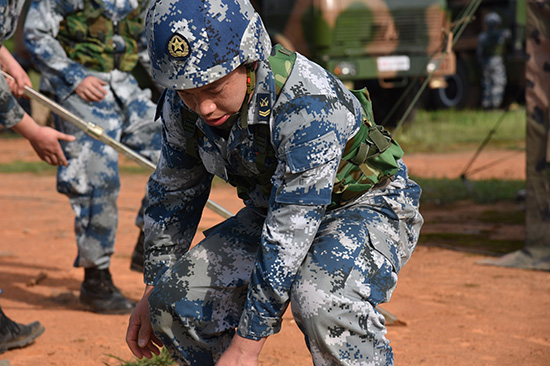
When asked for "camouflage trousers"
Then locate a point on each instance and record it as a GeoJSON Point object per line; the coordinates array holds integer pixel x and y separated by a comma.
{"type": "Point", "coordinates": [493, 82]}
{"type": "Point", "coordinates": [91, 179]}
{"type": "Point", "coordinates": [197, 304]}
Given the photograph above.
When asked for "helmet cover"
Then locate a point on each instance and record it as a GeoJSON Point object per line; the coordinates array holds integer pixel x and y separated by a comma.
{"type": "Point", "coordinates": [492, 19]}
{"type": "Point", "coordinates": [193, 43]}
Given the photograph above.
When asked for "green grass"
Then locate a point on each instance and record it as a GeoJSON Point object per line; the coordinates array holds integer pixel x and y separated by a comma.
{"type": "Point", "coordinates": [163, 359]}
{"type": "Point", "coordinates": [36, 167]}
{"type": "Point", "coordinates": [445, 191]}
{"type": "Point", "coordinates": [453, 130]}
{"type": "Point", "coordinates": [471, 242]}
{"type": "Point", "coordinates": [40, 167]}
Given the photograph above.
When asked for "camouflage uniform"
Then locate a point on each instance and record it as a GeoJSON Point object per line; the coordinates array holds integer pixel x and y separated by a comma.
{"type": "Point", "coordinates": [490, 49]}
{"type": "Point", "coordinates": [334, 266]}
{"type": "Point", "coordinates": [11, 112]}
{"type": "Point", "coordinates": [91, 179]}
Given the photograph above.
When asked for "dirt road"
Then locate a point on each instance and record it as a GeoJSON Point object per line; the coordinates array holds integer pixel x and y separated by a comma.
{"type": "Point", "coordinates": [457, 312]}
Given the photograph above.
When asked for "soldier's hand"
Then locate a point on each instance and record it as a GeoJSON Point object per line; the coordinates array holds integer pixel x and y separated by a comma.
{"type": "Point", "coordinates": [19, 75]}
{"type": "Point", "coordinates": [91, 89]}
{"type": "Point", "coordinates": [241, 352]}
{"type": "Point", "coordinates": [140, 337]}
{"type": "Point", "coordinates": [44, 140]}
{"type": "Point", "coordinates": [46, 145]}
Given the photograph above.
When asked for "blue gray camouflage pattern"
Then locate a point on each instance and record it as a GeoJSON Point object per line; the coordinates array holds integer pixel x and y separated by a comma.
{"type": "Point", "coordinates": [91, 179]}
{"type": "Point", "coordinates": [231, 34]}
{"type": "Point", "coordinates": [333, 266]}
{"type": "Point", "coordinates": [9, 14]}
{"type": "Point", "coordinates": [11, 112]}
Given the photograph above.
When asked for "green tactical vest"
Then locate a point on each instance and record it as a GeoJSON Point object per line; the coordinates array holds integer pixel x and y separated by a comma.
{"type": "Point", "coordinates": [369, 158]}
{"type": "Point", "coordinates": [91, 39]}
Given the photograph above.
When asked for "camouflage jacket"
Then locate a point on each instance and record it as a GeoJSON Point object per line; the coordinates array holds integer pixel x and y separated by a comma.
{"type": "Point", "coordinates": [492, 43]}
{"type": "Point", "coordinates": [9, 13]}
{"type": "Point", "coordinates": [311, 121]}
{"type": "Point", "coordinates": [60, 74]}
{"type": "Point", "coordinates": [10, 112]}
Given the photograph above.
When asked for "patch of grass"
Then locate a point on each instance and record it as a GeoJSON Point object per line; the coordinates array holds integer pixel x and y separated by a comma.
{"type": "Point", "coordinates": [457, 130]}
{"type": "Point", "coordinates": [36, 167]}
{"type": "Point", "coordinates": [444, 191]}
{"type": "Point", "coordinates": [163, 359]}
{"type": "Point", "coordinates": [503, 217]}
{"type": "Point", "coordinates": [471, 242]}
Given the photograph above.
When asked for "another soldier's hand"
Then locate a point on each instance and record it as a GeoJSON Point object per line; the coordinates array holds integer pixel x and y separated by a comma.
{"type": "Point", "coordinates": [140, 337]}
{"type": "Point", "coordinates": [91, 89]}
{"type": "Point", "coordinates": [44, 140]}
{"type": "Point", "coordinates": [46, 144]}
{"type": "Point", "coordinates": [12, 67]}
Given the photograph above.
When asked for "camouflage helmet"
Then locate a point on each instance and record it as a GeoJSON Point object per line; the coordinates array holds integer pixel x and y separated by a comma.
{"type": "Point", "coordinates": [193, 43]}
{"type": "Point", "coordinates": [492, 19]}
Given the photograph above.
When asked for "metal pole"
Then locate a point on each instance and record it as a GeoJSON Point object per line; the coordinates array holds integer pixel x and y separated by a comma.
{"type": "Point", "coordinates": [97, 133]}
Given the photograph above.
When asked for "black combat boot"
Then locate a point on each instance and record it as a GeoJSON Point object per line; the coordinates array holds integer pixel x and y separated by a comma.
{"type": "Point", "coordinates": [15, 335]}
{"type": "Point", "coordinates": [137, 256]}
{"type": "Point", "coordinates": [100, 294]}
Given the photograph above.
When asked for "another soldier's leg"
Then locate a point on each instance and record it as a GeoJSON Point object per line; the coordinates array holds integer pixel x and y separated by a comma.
{"type": "Point", "coordinates": [142, 134]}
{"type": "Point", "coordinates": [91, 181]}
{"type": "Point", "coordinates": [197, 304]}
{"type": "Point", "coordinates": [486, 85]}
{"type": "Point", "coordinates": [498, 83]}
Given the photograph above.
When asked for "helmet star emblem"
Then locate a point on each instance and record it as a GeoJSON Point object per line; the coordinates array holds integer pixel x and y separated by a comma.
{"type": "Point", "coordinates": [178, 46]}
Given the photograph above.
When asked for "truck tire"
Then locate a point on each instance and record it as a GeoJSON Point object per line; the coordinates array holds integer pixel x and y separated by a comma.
{"type": "Point", "coordinates": [460, 92]}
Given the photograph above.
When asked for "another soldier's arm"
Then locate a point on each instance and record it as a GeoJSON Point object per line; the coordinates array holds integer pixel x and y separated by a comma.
{"type": "Point", "coordinates": [44, 140]}
{"type": "Point", "coordinates": [41, 28]}
{"type": "Point", "coordinates": [12, 67]}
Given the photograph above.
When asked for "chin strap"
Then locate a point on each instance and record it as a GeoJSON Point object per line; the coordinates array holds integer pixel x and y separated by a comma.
{"type": "Point", "coordinates": [250, 85]}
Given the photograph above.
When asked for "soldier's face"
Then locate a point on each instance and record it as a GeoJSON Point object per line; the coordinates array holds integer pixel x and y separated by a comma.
{"type": "Point", "coordinates": [217, 101]}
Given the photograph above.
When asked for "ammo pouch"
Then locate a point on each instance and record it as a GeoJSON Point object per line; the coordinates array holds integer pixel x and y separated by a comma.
{"type": "Point", "coordinates": [369, 158]}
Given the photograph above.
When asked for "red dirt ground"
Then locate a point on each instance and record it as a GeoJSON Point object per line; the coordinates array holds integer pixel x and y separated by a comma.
{"type": "Point", "coordinates": [456, 311]}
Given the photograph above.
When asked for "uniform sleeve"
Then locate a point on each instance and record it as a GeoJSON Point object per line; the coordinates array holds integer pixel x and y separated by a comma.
{"type": "Point", "coordinates": [177, 192]}
{"type": "Point", "coordinates": [41, 28]}
{"type": "Point", "coordinates": [11, 112]}
{"type": "Point", "coordinates": [303, 182]}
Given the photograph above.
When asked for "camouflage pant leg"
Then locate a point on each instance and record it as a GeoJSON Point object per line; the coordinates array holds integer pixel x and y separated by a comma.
{"type": "Point", "coordinates": [493, 82]}
{"type": "Point", "coordinates": [197, 304]}
{"type": "Point", "coordinates": [91, 179]}
{"type": "Point", "coordinates": [336, 291]}
{"type": "Point", "coordinates": [345, 275]}
{"type": "Point", "coordinates": [140, 131]}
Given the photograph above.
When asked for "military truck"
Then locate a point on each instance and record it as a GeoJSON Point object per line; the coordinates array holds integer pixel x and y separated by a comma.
{"type": "Point", "coordinates": [385, 45]}
{"type": "Point", "coordinates": [464, 88]}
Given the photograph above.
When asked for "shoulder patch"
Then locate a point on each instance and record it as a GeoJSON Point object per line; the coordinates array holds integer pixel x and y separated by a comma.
{"type": "Point", "coordinates": [264, 106]}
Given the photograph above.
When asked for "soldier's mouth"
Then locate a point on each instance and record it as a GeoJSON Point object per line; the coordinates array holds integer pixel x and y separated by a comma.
{"type": "Point", "coordinates": [217, 122]}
